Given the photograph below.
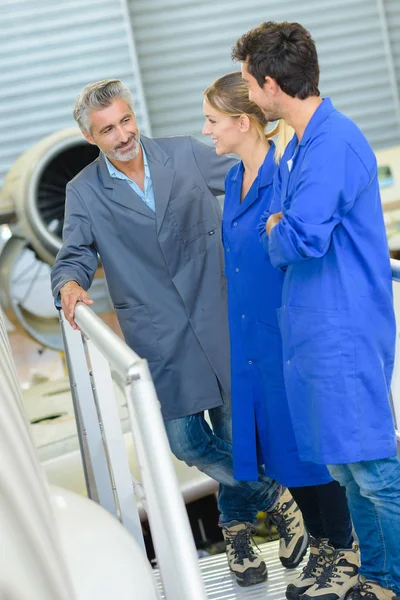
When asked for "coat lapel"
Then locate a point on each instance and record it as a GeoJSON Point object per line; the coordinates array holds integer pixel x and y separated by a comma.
{"type": "Point", "coordinates": [162, 177]}
{"type": "Point", "coordinates": [120, 192]}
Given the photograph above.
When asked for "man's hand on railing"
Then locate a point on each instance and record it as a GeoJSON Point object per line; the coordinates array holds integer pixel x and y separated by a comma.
{"type": "Point", "coordinates": [71, 293]}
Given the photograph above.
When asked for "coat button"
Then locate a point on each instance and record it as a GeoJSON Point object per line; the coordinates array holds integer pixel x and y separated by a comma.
{"type": "Point", "coordinates": [237, 270]}
{"type": "Point", "coordinates": [250, 362]}
{"type": "Point", "coordinates": [288, 362]}
{"type": "Point", "coordinates": [235, 224]}
{"type": "Point", "coordinates": [243, 316]}
{"type": "Point", "coordinates": [228, 249]}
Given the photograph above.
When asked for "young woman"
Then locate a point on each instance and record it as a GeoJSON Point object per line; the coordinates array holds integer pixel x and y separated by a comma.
{"type": "Point", "coordinates": [262, 430]}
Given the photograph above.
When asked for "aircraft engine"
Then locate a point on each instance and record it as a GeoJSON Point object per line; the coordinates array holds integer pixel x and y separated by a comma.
{"type": "Point", "coordinates": [32, 203]}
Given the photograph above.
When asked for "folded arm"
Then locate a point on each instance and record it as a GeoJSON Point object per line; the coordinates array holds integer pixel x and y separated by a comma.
{"type": "Point", "coordinates": [331, 179]}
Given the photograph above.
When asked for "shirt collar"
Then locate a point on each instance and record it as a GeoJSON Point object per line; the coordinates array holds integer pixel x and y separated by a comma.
{"type": "Point", "coordinates": [323, 111]}
{"type": "Point", "coordinates": [114, 172]}
{"type": "Point", "coordinates": [265, 172]}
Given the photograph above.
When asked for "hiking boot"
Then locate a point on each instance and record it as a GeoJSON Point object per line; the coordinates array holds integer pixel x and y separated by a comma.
{"type": "Point", "coordinates": [320, 554]}
{"type": "Point", "coordinates": [288, 520]}
{"type": "Point", "coordinates": [370, 590]}
{"type": "Point", "coordinates": [246, 565]}
{"type": "Point", "coordinates": [339, 576]}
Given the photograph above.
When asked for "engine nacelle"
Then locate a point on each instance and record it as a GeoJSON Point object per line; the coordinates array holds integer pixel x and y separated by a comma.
{"type": "Point", "coordinates": [35, 188]}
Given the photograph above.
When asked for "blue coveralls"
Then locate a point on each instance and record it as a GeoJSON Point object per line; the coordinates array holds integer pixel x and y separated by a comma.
{"type": "Point", "coordinates": [337, 317]}
{"type": "Point", "coordinates": [259, 401]}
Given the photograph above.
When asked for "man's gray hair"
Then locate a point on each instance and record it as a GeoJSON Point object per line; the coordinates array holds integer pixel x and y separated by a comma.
{"type": "Point", "coordinates": [99, 95]}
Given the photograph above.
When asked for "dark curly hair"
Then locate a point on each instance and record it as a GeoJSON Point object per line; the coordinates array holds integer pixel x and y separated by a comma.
{"type": "Point", "coordinates": [283, 51]}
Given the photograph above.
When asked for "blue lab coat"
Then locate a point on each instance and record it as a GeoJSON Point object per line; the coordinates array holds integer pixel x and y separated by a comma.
{"type": "Point", "coordinates": [254, 293]}
{"type": "Point", "coordinates": [337, 317]}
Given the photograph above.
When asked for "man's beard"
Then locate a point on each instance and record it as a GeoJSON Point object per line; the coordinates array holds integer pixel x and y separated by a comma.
{"type": "Point", "coordinates": [119, 154]}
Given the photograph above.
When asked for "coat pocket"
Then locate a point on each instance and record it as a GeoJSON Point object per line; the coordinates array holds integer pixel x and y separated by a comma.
{"type": "Point", "coordinates": [193, 215]}
{"type": "Point", "coordinates": [315, 339]}
{"type": "Point", "coordinates": [139, 331]}
{"type": "Point", "coordinates": [204, 227]}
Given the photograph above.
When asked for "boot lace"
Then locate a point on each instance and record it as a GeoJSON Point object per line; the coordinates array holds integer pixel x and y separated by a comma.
{"type": "Point", "coordinates": [241, 544]}
{"type": "Point", "coordinates": [281, 521]}
{"type": "Point", "coordinates": [310, 568]}
{"type": "Point", "coordinates": [329, 570]}
{"type": "Point", "coordinates": [325, 579]}
{"type": "Point", "coordinates": [364, 590]}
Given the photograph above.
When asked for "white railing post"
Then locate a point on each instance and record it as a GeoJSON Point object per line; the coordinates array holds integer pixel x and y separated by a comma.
{"type": "Point", "coordinates": [111, 424]}
{"type": "Point", "coordinates": [170, 529]}
{"type": "Point", "coordinates": [89, 434]}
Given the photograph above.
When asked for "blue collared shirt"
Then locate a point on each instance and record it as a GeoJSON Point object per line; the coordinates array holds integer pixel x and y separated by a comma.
{"type": "Point", "coordinates": [148, 194]}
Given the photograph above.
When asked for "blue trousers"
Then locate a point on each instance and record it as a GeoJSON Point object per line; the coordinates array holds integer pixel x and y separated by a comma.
{"type": "Point", "coordinates": [210, 450]}
{"type": "Point", "coordinates": [373, 495]}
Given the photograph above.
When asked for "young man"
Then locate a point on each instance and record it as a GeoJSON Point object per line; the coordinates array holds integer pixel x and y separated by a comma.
{"type": "Point", "coordinates": [325, 229]}
{"type": "Point", "coordinates": [148, 208]}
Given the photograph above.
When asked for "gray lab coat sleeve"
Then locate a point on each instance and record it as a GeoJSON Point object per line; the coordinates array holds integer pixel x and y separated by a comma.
{"type": "Point", "coordinates": [77, 259]}
{"type": "Point", "coordinates": [212, 167]}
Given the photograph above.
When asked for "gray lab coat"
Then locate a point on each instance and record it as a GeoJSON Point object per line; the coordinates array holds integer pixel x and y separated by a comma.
{"type": "Point", "coordinates": [164, 270]}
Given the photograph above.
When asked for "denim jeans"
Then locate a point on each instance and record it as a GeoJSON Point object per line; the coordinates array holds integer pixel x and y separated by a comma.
{"type": "Point", "coordinates": [373, 495]}
{"type": "Point", "coordinates": [210, 450]}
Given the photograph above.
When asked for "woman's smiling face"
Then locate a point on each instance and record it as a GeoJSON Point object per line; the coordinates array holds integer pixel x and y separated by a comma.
{"type": "Point", "coordinates": [224, 130]}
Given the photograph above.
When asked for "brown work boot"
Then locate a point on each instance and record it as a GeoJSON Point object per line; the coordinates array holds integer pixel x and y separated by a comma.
{"type": "Point", "coordinates": [247, 566]}
{"type": "Point", "coordinates": [338, 577]}
{"type": "Point", "coordinates": [370, 590]}
{"type": "Point", "coordinates": [320, 554]}
{"type": "Point", "coordinates": [288, 520]}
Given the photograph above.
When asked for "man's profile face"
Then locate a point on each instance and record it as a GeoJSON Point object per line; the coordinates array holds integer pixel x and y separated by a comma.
{"type": "Point", "coordinates": [114, 130]}
{"type": "Point", "coordinates": [261, 96]}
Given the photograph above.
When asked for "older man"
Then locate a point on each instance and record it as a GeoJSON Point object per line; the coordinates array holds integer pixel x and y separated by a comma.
{"type": "Point", "coordinates": [148, 208]}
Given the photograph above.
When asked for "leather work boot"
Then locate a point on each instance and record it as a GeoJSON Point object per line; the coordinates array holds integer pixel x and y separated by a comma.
{"type": "Point", "coordinates": [338, 577]}
{"type": "Point", "coordinates": [247, 566]}
{"type": "Point", "coordinates": [288, 520]}
{"type": "Point", "coordinates": [320, 554]}
{"type": "Point", "coordinates": [370, 590]}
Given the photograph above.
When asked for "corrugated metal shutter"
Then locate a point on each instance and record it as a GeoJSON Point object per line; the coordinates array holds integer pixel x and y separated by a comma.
{"type": "Point", "coordinates": [392, 10]}
{"type": "Point", "coordinates": [183, 45]}
{"type": "Point", "coordinates": [48, 52]}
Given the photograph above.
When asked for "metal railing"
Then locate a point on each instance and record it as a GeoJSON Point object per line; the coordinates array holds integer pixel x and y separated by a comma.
{"type": "Point", "coordinates": [90, 353]}
{"type": "Point", "coordinates": [395, 388]}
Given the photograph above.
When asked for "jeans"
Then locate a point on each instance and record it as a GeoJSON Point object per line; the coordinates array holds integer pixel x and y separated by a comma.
{"type": "Point", "coordinates": [210, 450]}
{"type": "Point", "coordinates": [325, 512]}
{"type": "Point", "coordinates": [373, 494]}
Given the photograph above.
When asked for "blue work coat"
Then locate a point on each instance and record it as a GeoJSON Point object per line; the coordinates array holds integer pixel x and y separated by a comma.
{"type": "Point", "coordinates": [337, 318]}
{"type": "Point", "coordinates": [259, 401]}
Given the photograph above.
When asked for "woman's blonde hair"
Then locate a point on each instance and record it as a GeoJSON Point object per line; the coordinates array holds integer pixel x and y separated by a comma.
{"type": "Point", "coordinates": [229, 95]}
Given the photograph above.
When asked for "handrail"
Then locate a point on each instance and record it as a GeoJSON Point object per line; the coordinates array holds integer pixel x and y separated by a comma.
{"type": "Point", "coordinates": [113, 348]}
{"type": "Point", "coordinates": [395, 387]}
{"type": "Point", "coordinates": [103, 449]}
{"type": "Point", "coordinates": [395, 264]}
{"type": "Point", "coordinates": [167, 516]}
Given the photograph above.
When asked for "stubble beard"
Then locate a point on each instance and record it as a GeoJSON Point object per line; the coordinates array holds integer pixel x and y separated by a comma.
{"type": "Point", "coordinates": [118, 154]}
